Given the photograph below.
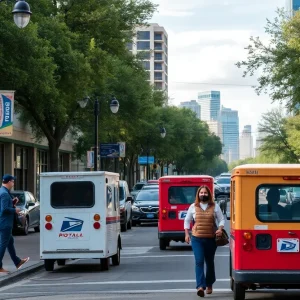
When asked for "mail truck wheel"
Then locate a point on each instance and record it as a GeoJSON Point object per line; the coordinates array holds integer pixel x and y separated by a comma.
{"type": "Point", "coordinates": [238, 291]}
{"type": "Point", "coordinates": [117, 257]}
{"type": "Point", "coordinates": [163, 244]}
{"type": "Point", "coordinates": [61, 262]}
{"type": "Point", "coordinates": [49, 264]}
{"type": "Point", "coordinates": [104, 264]}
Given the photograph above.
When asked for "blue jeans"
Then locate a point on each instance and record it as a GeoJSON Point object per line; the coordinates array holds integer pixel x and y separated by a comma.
{"type": "Point", "coordinates": [204, 251]}
{"type": "Point", "coordinates": [7, 241]}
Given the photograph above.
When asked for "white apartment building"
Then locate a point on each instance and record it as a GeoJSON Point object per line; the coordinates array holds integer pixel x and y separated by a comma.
{"type": "Point", "coordinates": [151, 43]}
{"type": "Point", "coordinates": [246, 143]}
{"type": "Point", "coordinates": [216, 128]}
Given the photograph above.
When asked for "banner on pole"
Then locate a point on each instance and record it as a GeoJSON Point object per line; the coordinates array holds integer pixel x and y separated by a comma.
{"type": "Point", "coordinates": [6, 113]}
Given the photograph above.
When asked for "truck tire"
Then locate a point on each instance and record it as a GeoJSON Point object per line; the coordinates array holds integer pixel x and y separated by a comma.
{"type": "Point", "coordinates": [49, 264]}
{"type": "Point", "coordinates": [117, 257]}
{"type": "Point", "coordinates": [239, 291]}
{"type": "Point", "coordinates": [104, 264]}
{"type": "Point", "coordinates": [163, 244]}
{"type": "Point", "coordinates": [61, 262]}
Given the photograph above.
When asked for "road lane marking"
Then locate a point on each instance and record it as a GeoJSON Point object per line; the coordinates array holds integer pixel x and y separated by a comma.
{"type": "Point", "coordinates": [120, 282]}
{"type": "Point", "coordinates": [111, 293]}
{"type": "Point", "coordinates": [14, 285]}
{"type": "Point", "coordinates": [168, 256]}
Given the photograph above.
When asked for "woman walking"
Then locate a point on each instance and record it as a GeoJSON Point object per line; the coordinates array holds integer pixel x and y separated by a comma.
{"type": "Point", "coordinates": [208, 222]}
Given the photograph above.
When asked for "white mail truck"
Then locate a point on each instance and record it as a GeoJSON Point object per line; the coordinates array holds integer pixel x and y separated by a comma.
{"type": "Point", "coordinates": [79, 217]}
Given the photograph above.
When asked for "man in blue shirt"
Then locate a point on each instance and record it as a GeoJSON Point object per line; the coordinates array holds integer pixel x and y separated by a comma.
{"type": "Point", "coordinates": [7, 215]}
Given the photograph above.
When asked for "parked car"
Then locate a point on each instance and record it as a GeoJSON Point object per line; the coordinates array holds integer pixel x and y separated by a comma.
{"type": "Point", "coordinates": [152, 181]}
{"type": "Point", "coordinates": [29, 215]}
{"type": "Point", "coordinates": [125, 206]}
{"type": "Point", "coordinates": [293, 195]}
{"type": "Point", "coordinates": [224, 183]}
{"type": "Point", "coordinates": [150, 187]}
{"type": "Point", "coordinates": [145, 207]}
{"type": "Point", "coordinates": [137, 187]}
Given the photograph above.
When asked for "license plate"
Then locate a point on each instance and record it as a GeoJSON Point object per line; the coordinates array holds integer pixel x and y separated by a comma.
{"type": "Point", "coordinates": [287, 245]}
{"type": "Point", "coordinates": [150, 216]}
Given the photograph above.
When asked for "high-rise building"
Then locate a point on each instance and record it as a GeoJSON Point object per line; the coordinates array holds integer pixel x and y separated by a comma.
{"type": "Point", "coordinates": [259, 142]}
{"type": "Point", "coordinates": [246, 143]}
{"type": "Point", "coordinates": [151, 42]}
{"type": "Point", "coordinates": [216, 128]}
{"type": "Point", "coordinates": [292, 6]}
{"type": "Point", "coordinates": [210, 105]}
{"type": "Point", "coordinates": [230, 131]}
{"type": "Point", "coordinates": [192, 105]}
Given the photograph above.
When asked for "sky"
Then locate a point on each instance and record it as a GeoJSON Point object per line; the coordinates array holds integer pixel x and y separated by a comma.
{"type": "Point", "coordinates": [205, 40]}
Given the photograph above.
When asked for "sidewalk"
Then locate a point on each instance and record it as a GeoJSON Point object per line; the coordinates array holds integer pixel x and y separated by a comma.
{"type": "Point", "coordinates": [25, 246]}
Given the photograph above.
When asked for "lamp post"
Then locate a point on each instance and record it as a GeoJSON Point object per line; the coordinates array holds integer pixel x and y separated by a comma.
{"type": "Point", "coordinates": [21, 13]}
{"type": "Point", "coordinates": [163, 133]}
{"type": "Point", "coordinates": [114, 107]}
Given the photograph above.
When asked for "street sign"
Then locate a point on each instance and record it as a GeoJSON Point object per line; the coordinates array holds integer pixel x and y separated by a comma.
{"type": "Point", "coordinates": [122, 148]}
{"type": "Point", "coordinates": [90, 159]}
{"type": "Point", "coordinates": [143, 160]}
{"type": "Point", "coordinates": [6, 113]}
{"type": "Point", "coordinates": [109, 150]}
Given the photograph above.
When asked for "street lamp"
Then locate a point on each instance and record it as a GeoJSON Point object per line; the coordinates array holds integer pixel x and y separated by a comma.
{"type": "Point", "coordinates": [114, 107]}
{"type": "Point", "coordinates": [163, 133]}
{"type": "Point", "coordinates": [21, 13]}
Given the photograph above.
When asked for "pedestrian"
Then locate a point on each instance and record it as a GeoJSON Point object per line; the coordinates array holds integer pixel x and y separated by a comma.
{"type": "Point", "coordinates": [208, 221]}
{"type": "Point", "coordinates": [7, 215]}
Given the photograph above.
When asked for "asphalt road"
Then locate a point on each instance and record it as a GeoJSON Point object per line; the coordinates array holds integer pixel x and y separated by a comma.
{"type": "Point", "coordinates": [145, 273]}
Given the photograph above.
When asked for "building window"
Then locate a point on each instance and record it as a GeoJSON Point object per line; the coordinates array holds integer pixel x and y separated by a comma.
{"type": "Point", "coordinates": [166, 59]}
{"type": "Point", "coordinates": [158, 66]}
{"type": "Point", "coordinates": [166, 39]}
{"type": "Point", "coordinates": [144, 55]}
{"type": "Point", "coordinates": [158, 46]}
{"type": "Point", "coordinates": [158, 56]}
{"type": "Point", "coordinates": [157, 76]}
{"type": "Point", "coordinates": [143, 35]}
{"type": "Point", "coordinates": [143, 45]}
{"type": "Point", "coordinates": [41, 167]}
{"type": "Point", "coordinates": [21, 167]}
{"type": "Point", "coordinates": [146, 65]}
{"type": "Point", "coordinates": [158, 85]}
{"type": "Point", "coordinates": [157, 36]}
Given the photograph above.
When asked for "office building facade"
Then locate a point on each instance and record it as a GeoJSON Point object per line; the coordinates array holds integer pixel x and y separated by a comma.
{"type": "Point", "coordinates": [210, 105]}
{"type": "Point", "coordinates": [151, 44]}
{"type": "Point", "coordinates": [192, 105]}
{"type": "Point", "coordinates": [246, 143]}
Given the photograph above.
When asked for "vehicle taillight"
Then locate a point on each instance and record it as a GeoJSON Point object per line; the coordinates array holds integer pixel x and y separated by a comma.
{"type": "Point", "coordinates": [247, 245]}
{"type": "Point", "coordinates": [291, 177]}
{"type": "Point", "coordinates": [48, 226]}
{"type": "Point", "coordinates": [48, 218]}
{"type": "Point", "coordinates": [164, 214]}
{"type": "Point", "coordinates": [96, 225]}
{"type": "Point", "coordinates": [97, 217]}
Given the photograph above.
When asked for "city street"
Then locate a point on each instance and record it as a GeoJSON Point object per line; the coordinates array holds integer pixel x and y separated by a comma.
{"type": "Point", "coordinates": [145, 273]}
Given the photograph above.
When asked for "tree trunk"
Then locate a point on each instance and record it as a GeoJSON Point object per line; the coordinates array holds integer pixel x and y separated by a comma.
{"type": "Point", "coordinates": [54, 155]}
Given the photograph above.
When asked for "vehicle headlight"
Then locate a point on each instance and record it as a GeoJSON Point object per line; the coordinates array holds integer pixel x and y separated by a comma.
{"type": "Point", "coordinates": [22, 213]}
{"type": "Point", "coordinates": [135, 208]}
{"type": "Point", "coordinates": [122, 207]}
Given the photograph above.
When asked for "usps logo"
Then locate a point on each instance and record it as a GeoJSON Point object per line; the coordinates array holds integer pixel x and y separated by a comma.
{"type": "Point", "coordinates": [181, 215]}
{"type": "Point", "coordinates": [71, 228]}
{"type": "Point", "coordinates": [288, 245]}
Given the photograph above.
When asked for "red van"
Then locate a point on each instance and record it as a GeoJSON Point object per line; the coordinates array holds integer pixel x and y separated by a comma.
{"type": "Point", "coordinates": [176, 194]}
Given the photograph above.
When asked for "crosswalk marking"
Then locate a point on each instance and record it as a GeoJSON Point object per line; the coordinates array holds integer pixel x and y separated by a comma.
{"type": "Point", "coordinates": [135, 250]}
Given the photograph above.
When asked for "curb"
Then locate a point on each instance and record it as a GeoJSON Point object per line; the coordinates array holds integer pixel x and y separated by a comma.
{"type": "Point", "coordinates": [18, 275]}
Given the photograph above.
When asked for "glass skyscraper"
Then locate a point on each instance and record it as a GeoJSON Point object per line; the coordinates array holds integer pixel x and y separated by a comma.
{"type": "Point", "coordinates": [292, 6]}
{"type": "Point", "coordinates": [210, 105]}
{"type": "Point", "coordinates": [230, 130]}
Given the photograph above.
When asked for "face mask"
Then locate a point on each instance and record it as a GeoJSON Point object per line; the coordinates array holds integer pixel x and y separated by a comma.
{"type": "Point", "coordinates": [204, 198]}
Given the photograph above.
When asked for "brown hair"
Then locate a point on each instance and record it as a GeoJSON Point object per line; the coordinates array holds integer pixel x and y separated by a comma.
{"type": "Point", "coordinates": [210, 200]}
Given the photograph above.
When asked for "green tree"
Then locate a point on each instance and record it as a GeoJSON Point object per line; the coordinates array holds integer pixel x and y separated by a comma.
{"type": "Point", "coordinates": [275, 137]}
{"type": "Point", "coordinates": [277, 62]}
{"type": "Point", "coordinates": [63, 55]}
